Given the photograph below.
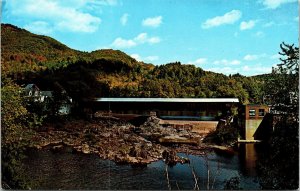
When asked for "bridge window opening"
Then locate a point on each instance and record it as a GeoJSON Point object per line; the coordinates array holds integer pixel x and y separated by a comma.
{"type": "Point", "coordinates": [261, 112]}
{"type": "Point", "coordinates": [252, 112]}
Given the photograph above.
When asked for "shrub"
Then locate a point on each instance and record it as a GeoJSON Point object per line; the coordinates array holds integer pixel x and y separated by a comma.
{"type": "Point", "coordinates": [226, 135]}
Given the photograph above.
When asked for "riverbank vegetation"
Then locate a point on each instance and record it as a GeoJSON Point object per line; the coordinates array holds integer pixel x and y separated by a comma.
{"type": "Point", "coordinates": [279, 167]}
{"type": "Point", "coordinates": [227, 135]}
{"type": "Point", "coordinates": [16, 135]}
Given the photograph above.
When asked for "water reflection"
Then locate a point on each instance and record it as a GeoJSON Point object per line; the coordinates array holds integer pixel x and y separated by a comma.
{"type": "Point", "coordinates": [77, 171]}
{"type": "Point", "coordinates": [249, 153]}
{"type": "Point", "coordinates": [248, 157]}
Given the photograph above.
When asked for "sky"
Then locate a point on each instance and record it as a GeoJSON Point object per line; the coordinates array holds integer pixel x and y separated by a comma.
{"type": "Point", "coordinates": [224, 36]}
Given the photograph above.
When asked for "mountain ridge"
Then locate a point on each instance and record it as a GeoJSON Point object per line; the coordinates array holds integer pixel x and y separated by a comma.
{"type": "Point", "coordinates": [30, 58]}
{"type": "Point", "coordinates": [20, 45]}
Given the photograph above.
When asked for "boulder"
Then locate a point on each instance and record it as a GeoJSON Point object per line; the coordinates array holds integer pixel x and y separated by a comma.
{"type": "Point", "coordinates": [85, 149]}
{"type": "Point", "coordinates": [131, 160]}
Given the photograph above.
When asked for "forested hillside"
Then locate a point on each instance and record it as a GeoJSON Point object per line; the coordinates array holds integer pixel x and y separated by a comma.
{"type": "Point", "coordinates": [30, 58]}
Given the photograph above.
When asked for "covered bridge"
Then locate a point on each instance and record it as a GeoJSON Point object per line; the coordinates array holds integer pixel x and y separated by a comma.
{"type": "Point", "coordinates": [201, 113]}
{"type": "Point", "coordinates": [167, 108]}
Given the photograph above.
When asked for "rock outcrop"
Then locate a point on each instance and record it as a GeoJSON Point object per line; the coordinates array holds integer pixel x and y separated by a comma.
{"type": "Point", "coordinates": [117, 140]}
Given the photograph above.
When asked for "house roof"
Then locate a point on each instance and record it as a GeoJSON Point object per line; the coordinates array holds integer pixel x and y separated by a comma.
{"type": "Point", "coordinates": [31, 86]}
{"type": "Point", "coordinates": [179, 100]}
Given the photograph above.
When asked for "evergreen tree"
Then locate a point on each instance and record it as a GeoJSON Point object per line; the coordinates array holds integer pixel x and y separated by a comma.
{"type": "Point", "coordinates": [279, 168]}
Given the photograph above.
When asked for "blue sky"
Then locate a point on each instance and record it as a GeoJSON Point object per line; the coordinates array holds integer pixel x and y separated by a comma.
{"type": "Point", "coordinates": [225, 36]}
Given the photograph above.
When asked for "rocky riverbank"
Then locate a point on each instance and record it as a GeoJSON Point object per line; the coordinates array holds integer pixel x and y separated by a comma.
{"type": "Point", "coordinates": [116, 140]}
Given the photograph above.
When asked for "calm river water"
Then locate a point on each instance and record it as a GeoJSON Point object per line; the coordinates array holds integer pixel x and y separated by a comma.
{"type": "Point", "coordinates": [66, 170]}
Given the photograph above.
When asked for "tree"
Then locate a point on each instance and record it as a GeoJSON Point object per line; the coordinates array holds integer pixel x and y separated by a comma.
{"type": "Point", "coordinates": [283, 84]}
{"type": "Point", "coordinates": [15, 135]}
{"type": "Point", "coordinates": [279, 168]}
{"type": "Point", "coordinates": [291, 62]}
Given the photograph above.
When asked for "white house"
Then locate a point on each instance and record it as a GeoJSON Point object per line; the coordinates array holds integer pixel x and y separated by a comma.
{"type": "Point", "coordinates": [32, 91]}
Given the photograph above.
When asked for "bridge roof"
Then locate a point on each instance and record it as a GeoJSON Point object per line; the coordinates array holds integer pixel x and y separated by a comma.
{"type": "Point", "coordinates": [179, 100]}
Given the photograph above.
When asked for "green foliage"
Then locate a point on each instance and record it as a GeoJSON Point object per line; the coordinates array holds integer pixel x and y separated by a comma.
{"type": "Point", "coordinates": [36, 120]}
{"type": "Point", "coordinates": [279, 168]}
{"type": "Point", "coordinates": [12, 170]}
{"type": "Point", "coordinates": [226, 135]}
{"type": "Point", "coordinates": [23, 51]}
{"type": "Point", "coordinates": [290, 62]}
{"type": "Point", "coordinates": [13, 111]}
{"type": "Point", "coordinates": [15, 135]}
{"type": "Point", "coordinates": [36, 113]}
{"type": "Point", "coordinates": [114, 56]}
{"type": "Point", "coordinates": [253, 86]}
{"type": "Point", "coordinates": [282, 85]}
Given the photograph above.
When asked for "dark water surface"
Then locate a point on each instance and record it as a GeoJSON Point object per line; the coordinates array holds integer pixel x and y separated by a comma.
{"type": "Point", "coordinates": [66, 170]}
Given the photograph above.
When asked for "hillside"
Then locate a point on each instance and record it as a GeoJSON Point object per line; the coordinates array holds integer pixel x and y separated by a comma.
{"type": "Point", "coordinates": [22, 51]}
{"type": "Point", "coordinates": [19, 41]}
{"type": "Point", "coordinates": [30, 58]}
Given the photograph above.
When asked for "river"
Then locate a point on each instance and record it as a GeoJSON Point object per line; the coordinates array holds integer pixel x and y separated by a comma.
{"type": "Point", "coordinates": [67, 170]}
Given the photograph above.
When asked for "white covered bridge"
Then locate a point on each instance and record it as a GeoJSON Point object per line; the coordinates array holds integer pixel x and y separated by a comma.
{"type": "Point", "coordinates": [202, 114]}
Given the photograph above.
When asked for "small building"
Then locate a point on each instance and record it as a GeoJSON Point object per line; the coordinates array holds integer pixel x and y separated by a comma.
{"type": "Point", "coordinates": [256, 111]}
{"type": "Point", "coordinates": [253, 119]}
{"type": "Point", "coordinates": [32, 91]}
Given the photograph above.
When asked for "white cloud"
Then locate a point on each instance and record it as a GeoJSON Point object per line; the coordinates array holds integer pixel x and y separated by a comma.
{"type": "Point", "coordinates": [123, 43]}
{"type": "Point", "coordinates": [245, 70]}
{"type": "Point", "coordinates": [257, 69]}
{"type": "Point", "coordinates": [227, 62]}
{"type": "Point", "coordinates": [136, 56]}
{"type": "Point", "coordinates": [259, 34]}
{"type": "Point", "coordinates": [224, 70]}
{"type": "Point", "coordinates": [105, 2]}
{"type": "Point", "coordinates": [273, 4]}
{"type": "Point", "coordinates": [39, 27]}
{"type": "Point", "coordinates": [228, 18]}
{"type": "Point", "coordinates": [124, 19]}
{"type": "Point", "coordinates": [139, 39]}
{"type": "Point", "coordinates": [102, 47]}
{"type": "Point", "coordinates": [152, 22]}
{"type": "Point", "coordinates": [154, 40]}
{"type": "Point", "coordinates": [152, 58]}
{"type": "Point", "coordinates": [251, 57]}
{"type": "Point", "coordinates": [148, 58]}
{"type": "Point", "coordinates": [235, 62]}
{"type": "Point", "coordinates": [198, 61]}
{"type": "Point", "coordinates": [94, 5]}
{"type": "Point", "coordinates": [269, 24]}
{"type": "Point", "coordinates": [247, 25]}
{"type": "Point", "coordinates": [275, 56]}
{"type": "Point", "coordinates": [143, 38]}
{"type": "Point", "coordinates": [57, 14]}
